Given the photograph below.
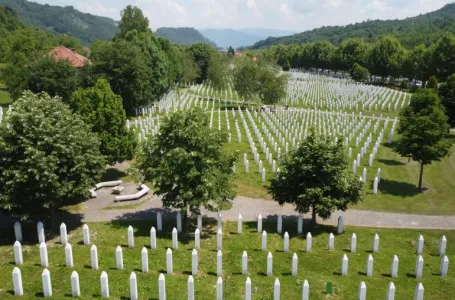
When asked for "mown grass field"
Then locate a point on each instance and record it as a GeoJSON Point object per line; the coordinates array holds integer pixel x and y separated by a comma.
{"type": "Point", "coordinates": [318, 267]}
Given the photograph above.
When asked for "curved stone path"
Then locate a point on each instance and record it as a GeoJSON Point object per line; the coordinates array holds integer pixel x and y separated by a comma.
{"type": "Point", "coordinates": [250, 208]}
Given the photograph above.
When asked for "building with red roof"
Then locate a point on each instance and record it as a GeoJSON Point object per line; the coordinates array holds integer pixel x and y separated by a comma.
{"type": "Point", "coordinates": [76, 60]}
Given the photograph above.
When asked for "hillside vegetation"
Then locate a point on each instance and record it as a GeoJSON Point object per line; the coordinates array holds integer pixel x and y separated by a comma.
{"type": "Point", "coordinates": [183, 35]}
{"type": "Point", "coordinates": [422, 29]}
{"type": "Point", "coordinates": [63, 20]}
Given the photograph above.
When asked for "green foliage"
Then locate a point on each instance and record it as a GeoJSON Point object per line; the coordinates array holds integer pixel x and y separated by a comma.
{"type": "Point", "coordinates": [48, 156]}
{"type": "Point", "coordinates": [443, 57]}
{"type": "Point", "coordinates": [321, 55]}
{"type": "Point", "coordinates": [359, 73]}
{"type": "Point", "coordinates": [103, 111]}
{"type": "Point", "coordinates": [63, 20]}
{"type": "Point", "coordinates": [286, 66]}
{"type": "Point", "coordinates": [245, 77]}
{"type": "Point", "coordinates": [132, 20]}
{"type": "Point", "coordinates": [422, 29]}
{"type": "Point", "coordinates": [424, 131]}
{"type": "Point", "coordinates": [8, 20]}
{"type": "Point", "coordinates": [272, 84]}
{"type": "Point", "coordinates": [201, 54]}
{"type": "Point", "coordinates": [417, 63]}
{"type": "Point", "coordinates": [190, 70]}
{"type": "Point", "coordinates": [218, 70]}
{"type": "Point", "coordinates": [404, 84]}
{"type": "Point", "coordinates": [127, 68]}
{"type": "Point", "coordinates": [183, 35]}
{"type": "Point", "coordinates": [432, 83]}
{"type": "Point", "coordinates": [186, 164]}
{"type": "Point", "coordinates": [314, 176]}
{"type": "Point", "coordinates": [447, 94]}
{"type": "Point", "coordinates": [351, 52]}
{"type": "Point", "coordinates": [56, 78]}
{"type": "Point", "coordinates": [386, 57]}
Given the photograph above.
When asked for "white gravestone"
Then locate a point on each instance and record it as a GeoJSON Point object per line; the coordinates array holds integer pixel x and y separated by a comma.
{"type": "Point", "coordinates": [295, 263]}
{"type": "Point", "coordinates": [264, 241]}
{"type": "Point", "coordinates": [17, 282]}
{"type": "Point", "coordinates": [40, 229]}
{"type": "Point", "coordinates": [394, 267]}
{"type": "Point", "coordinates": [152, 238]}
{"type": "Point", "coordinates": [130, 237]}
{"type": "Point", "coordinates": [390, 291]}
{"type": "Point", "coordinates": [419, 267]}
{"type": "Point", "coordinates": [376, 243]}
{"type": "Point", "coordinates": [190, 288]}
{"type": "Point", "coordinates": [197, 239]}
{"type": "Point", "coordinates": [43, 255]}
{"type": "Point", "coordinates": [248, 289]}
{"type": "Point", "coordinates": [94, 257]}
{"type": "Point", "coordinates": [47, 285]}
{"type": "Point", "coordinates": [219, 263]}
{"type": "Point", "coordinates": [18, 231]}
{"type": "Point", "coordinates": [362, 291]}
{"type": "Point", "coordinates": [286, 242]}
{"type": "Point", "coordinates": [75, 286]}
{"type": "Point", "coordinates": [276, 290]}
{"type": "Point", "coordinates": [309, 242]}
{"type": "Point", "coordinates": [194, 263]}
{"type": "Point", "coordinates": [63, 234]}
{"type": "Point", "coordinates": [86, 234]}
{"type": "Point", "coordinates": [244, 263]}
{"type": "Point", "coordinates": [145, 260]}
{"type": "Point", "coordinates": [418, 295]}
{"type": "Point", "coordinates": [269, 264]}
{"type": "Point", "coordinates": [344, 265]}
{"type": "Point", "coordinates": [259, 223]}
{"type": "Point", "coordinates": [119, 257]}
{"type": "Point", "coordinates": [133, 286]}
{"type": "Point", "coordinates": [331, 241]}
{"type": "Point", "coordinates": [219, 239]}
{"type": "Point", "coordinates": [353, 243]}
{"type": "Point", "coordinates": [370, 262]}
{"type": "Point", "coordinates": [305, 290]}
{"type": "Point", "coordinates": [239, 224]}
{"type": "Point", "coordinates": [69, 255]}
{"type": "Point", "coordinates": [162, 287]}
{"type": "Point", "coordinates": [104, 280]}
{"type": "Point", "coordinates": [219, 289]}
{"type": "Point", "coordinates": [175, 244]}
{"type": "Point", "coordinates": [444, 268]}
{"type": "Point", "coordinates": [18, 259]}
{"type": "Point", "coordinates": [169, 266]}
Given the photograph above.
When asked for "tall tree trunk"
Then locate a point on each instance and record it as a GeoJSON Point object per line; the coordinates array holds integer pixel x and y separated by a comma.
{"type": "Point", "coordinates": [313, 215]}
{"type": "Point", "coordinates": [421, 175]}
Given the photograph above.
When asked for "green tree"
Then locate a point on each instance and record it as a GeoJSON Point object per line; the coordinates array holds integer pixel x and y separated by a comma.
{"type": "Point", "coordinates": [416, 64]}
{"type": "Point", "coordinates": [443, 57]}
{"type": "Point", "coordinates": [187, 165]}
{"type": "Point", "coordinates": [315, 177]}
{"type": "Point", "coordinates": [424, 131]}
{"type": "Point", "coordinates": [286, 66]}
{"type": "Point", "coordinates": [322, 54]}
{"type": "Point", "coordinates": [272, 84]}
{"type": "Point", "coordinates": [132, 20]}
{"type": "Point", "coordinates": [103, 111]}
{"type": "Point", "coordinates": [190, 69]}
{"type": "Point", "coordinates": [245, 77]}
{"type": "Point", "coordinates": [126, 68]}
{"type": "Point", "coordinates": [231, 52]}
{"type": "Point", "coordinates": [386, 57]}
{"type": "Point", "coordinates": [49, 157]}
{"type": "Point", "coordinates": [359, 73]}
{"type": "Point", "coordinates": [447, 94]}
{"type": "Point", "coordinates": [351, 52]}
{"type": "Point", "coordinates": [432, 83]}
{"type": "Point", "coordinates": [201, 54]}
{"type": "Point", "coordinates": [55, 77]}
{"type": "Point", "coordinates": [218, 70]}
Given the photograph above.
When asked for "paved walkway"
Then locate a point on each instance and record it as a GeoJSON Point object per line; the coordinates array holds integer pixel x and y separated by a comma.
{"type": "Point", "coordinates": [250, 208]}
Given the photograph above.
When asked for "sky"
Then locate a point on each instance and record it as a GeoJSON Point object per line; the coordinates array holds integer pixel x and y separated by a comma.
{"type": "Point", "coordinates": [292, 15]}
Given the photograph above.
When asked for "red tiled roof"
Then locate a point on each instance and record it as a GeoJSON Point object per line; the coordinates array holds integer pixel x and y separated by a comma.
{"type": "Point", "coordinates": [73, 57]}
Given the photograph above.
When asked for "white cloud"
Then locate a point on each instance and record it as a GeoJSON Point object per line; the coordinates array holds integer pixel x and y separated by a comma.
{"type": "Point", "coordinates": [295, 15]}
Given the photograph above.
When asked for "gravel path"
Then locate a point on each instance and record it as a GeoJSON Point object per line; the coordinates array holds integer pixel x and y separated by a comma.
{"type": "Point", "coordinates": [250, 208]}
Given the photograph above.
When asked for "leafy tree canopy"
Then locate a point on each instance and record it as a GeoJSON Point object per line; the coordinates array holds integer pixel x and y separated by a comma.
{"type": "Point", "coordinates": [447, 94]}
{"type": "Point", "coordinates": [424, 131]}
{"type": "Point", "coordinates": [359, 73]}
{"type": "Point", "coordinates": [103, 111]}
{"type": "Point", "coordinates": [315, 177]}
{"type": "Point", "coordinates": [132, 20]}
{"type": "Point", "coordinates": [48, 156]}
{"type": "Point", "coordinates": [201, 53]}
{"type": "Point", "coordinates": [186, 164]}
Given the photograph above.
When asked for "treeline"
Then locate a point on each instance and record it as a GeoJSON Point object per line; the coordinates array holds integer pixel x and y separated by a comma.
{"type": "Point", "coordinates": [63, 20]}
{"type": "Point", "coordinates": [422, 29]}
{"type": "Point", "coordinates": [384, 58]}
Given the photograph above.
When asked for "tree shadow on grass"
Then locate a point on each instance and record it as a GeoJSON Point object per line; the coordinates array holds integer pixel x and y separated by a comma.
{"type": "Point", "coordinates": [391, 162]}
{"type": "Point", "coordinates": [397, 188]}
{"type": "Point", "coordinates": [142, 222]}
{"type": "Point", "coordinates": [113, 174]}
{"type": "Point", "coordinates": [72, 221]}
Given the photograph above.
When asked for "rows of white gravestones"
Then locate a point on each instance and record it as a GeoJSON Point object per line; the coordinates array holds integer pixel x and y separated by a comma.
{"type": "Point", "coordinates": [316, 91]}
{"type": "Point", "coordinates": [268, 261]}
{"type": "Point", "coordinates": [276, 133]}
{"type": "Point", "coordinates": [271, 134]}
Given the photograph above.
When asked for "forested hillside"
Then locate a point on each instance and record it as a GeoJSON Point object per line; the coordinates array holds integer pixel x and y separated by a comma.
{"type": "Point", "coordinates": [423, 29]}
{"type": "Point", "coordinates": [63, 20]}
{"type": "Point", "coordinates": [183, 35]}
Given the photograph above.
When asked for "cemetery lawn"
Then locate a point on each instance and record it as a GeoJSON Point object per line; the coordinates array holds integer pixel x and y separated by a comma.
{"type": "Point", "coordinates": [318, 266]}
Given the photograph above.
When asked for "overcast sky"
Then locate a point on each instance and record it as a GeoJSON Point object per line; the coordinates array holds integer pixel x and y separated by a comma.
{"type": "Point", "coordinates": [294, 15]}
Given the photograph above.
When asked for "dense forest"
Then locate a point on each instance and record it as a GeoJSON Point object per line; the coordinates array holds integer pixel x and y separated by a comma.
{"type": "Point", "coordinates": [183, 35]}
{"type": "Point", "coordinates": [423, 29]}
{"type": "Point", "coordinates": [63, 20]}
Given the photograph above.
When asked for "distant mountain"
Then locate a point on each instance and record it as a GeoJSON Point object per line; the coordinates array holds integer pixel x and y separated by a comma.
{"type": "Point", "coordinates": [63, 20]}
{"type": "Point", "coordinates": [240, 37]}
{"type": "Point", "coordinates": [422, 29]}
{"type": "Point", "coordinates": [183, 35]}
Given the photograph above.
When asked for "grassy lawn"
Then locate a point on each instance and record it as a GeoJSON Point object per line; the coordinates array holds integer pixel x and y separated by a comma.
{"type": "Point", "coordinates": [398, 189]}
{"type": "Point", "coordinates": [318, 266]}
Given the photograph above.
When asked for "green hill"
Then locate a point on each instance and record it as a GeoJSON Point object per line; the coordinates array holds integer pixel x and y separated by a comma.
{"type": "Point", "coordinates": [63, 20]}
{"type": "Point", "coordinates": [183, 35]}
{"type": "Point", "coordinates": [422, 29]}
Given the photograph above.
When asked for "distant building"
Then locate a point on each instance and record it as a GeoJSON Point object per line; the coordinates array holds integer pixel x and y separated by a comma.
{"type": "Point", "coordinates": [75, 59]}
